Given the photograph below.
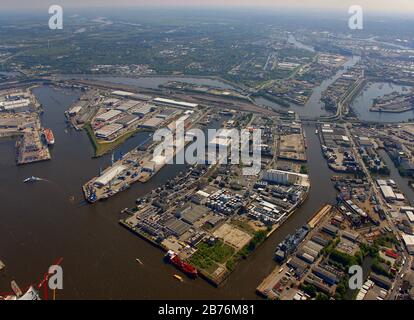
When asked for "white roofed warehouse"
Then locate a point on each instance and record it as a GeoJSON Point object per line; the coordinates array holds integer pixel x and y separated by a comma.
{"type": "Point", "coordinates": [387, 192]}
{"type": "Point", "coordinates": [109, 175]}
{"type": "Point", "coordinates": [107, 131]}
{"type": "Point", "coordinates": [109, 115]}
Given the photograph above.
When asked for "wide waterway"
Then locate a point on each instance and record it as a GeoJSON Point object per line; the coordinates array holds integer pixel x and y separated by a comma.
{"type": "Point", "coordinates": [365, 99]}
{"type": "Point", "coordinates": [41, 222]}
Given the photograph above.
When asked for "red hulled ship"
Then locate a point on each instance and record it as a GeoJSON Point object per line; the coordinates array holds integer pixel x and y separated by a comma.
{"type": "Point", "coordinates": [49, 137]}
{"type": "Point", "coordinates": [185, 267]}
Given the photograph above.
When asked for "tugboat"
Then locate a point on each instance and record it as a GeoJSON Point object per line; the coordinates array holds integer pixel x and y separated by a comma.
{"type": "Point", "coordinates": [31, 179]}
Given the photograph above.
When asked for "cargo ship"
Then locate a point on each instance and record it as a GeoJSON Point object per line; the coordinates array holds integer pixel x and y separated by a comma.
{"type": "Point", "coordinates": [49, 137]}
{"type": "Point", "coordinates": [188, 269]}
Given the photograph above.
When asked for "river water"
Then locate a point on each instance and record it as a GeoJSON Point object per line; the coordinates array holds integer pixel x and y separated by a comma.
{"type": "Point", "coordinates": [40, 223]}
{"type": "Point", "coordinates": [313, 109]}
{"type": "Point", "coordinates": [364, 101]}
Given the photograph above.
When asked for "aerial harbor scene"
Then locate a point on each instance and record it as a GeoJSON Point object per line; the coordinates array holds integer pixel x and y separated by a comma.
{"type": "Point", "coordinates": [206, 152]}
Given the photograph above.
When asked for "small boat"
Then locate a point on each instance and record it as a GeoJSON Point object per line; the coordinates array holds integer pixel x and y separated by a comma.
{"type": "Point", "coordinates": [31, 179]}
{"type": "Point", "coordinates": [316, 131]}
{"type": "Point", "coordinates": [179, 278]}
{"type": "Point", "coordinates": [138, 260]}
{"type": "Point", "coordinates": [16, 289]}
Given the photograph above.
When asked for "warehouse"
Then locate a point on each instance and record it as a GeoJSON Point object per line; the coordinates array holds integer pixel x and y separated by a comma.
{"type": "Point", "coordinates": [330, 229]}
{"type": "Point", "coordinates": [131, 95]}
{"type": "Point", "coordinates": [177, 227]}
{"type": "Point", "coordinates": [350, 236]}
{"type": "Point", "coordinates": [223, 138]}
{"type": "Point", "coordinates": [152, 123]}
{"type": "Point", "coordinates": [381, 281]}
{"type": "Point", "coordinates": [111, 102]}
{"type": "Point", "coordinates": [320, 240]}
{"type": "Point", "coordinates": [127, 120]}
{"type": "Point", "coordinates": [191, 214]}
{"type": "Point", "coordinates": [170, 102]}
{"type": "Point", "coordinates": [17, 105]}
{"type": "Point", "coordinates": [314, 246]}
{"type": "Point", "coordinates": [125, 106]}
{"type": "Point", "coordinates": [318, 283]}
{"type": "Point", "coordinates": [74, 111]}
{"type": "Point", "coordinates": [410, 216]}
{"type": "Point", "coordinates": [299, 266]}
{"type": "Point", "coordinates": [142, 110]}
{"type": "Point", "coordinates": [387, 192]}
{"type": "Point", "coordinates": [107, 131]}
{"type": "Point", "coordinates": [166, 113]}
{"type": "Point", "coordinates": [409, 243]}
{"type": "Point", "coordinates": [325, 275]}
{"type": "Point", "coordinates": [182, 121]}
{"type": "Point", "coordinates": [109, 175]}
{"type": "Point", "coordinates": [148, 166]}
{"type": "Point", "coordinates": [10, 123]}
{"type": "Point", "coordinates": [120, 93]}
{"type": "Point", "coordinates": [109, 115]}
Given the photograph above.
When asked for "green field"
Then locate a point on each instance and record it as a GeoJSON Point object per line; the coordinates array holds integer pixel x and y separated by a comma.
{"type": "Point", "coordinates": [207, 257]}
{"type": "Point", "coordinates": [105, 147]}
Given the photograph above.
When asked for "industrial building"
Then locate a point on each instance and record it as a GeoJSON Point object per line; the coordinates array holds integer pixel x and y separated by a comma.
{"type": "Point", "coordinates": [127, 120]}
{"type": "Point", "coordinates": [408, 242]}
{"type": "Point", "coordinates": [108, 116]}
{"type": "Point", "coordinates": [14, 105]}
{"type": "Point", "coordinates": [387, 192]}
{"type": "Point", "coordinates": [109, 175]}
{"type": "Point", "coordinates": [285, 177]}
{"type": "Point", "coordinates": [131, 95]}
{"type": "Point", "coordinates": [175, 103]}
{"type": "Point", "coordinates": [177, 227]}
{"type": "Point", "coordinates": [142, 110]}
{"type": "Point", "coordinates": [381, 281]}
{"type": "Point", "coordinates": [74, 111]}
{"type": "Point", "coordinates": [108, 130]}
{"type": "Point", "coordinates": [152, 123]}
{"type": "Point", "coordinates": [11, 123]}
{"type": "Point", "coordinates": [166, 113]}
{"type": "Point", "coordinates": [325, 275]}
{"type": "Point", "coordinates": [126, 105]}
{"type": "Point", "coordinates": [222, 139]}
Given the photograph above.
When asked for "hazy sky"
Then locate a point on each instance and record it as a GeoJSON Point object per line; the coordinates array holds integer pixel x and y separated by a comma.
{"type": "Point", "coordinates": [391, 6]}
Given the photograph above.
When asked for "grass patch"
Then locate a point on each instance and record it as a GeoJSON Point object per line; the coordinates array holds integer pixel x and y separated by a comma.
{"type": "Point", "coordinates": [102, 148]}
{"type": "Point", "coordinates": [258, 238]}
{"type": "Point", "coordinates": [207, 256]}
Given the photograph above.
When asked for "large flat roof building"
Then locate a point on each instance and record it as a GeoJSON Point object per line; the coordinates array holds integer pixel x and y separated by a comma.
{"type": "Point", "coordinates": [109, 115]}
{"type": "Point", "coordinates": [152, 123]}
{"type": "Point", "coordinates": [175, 103]}
{"type": "Point", "coordinates": [108, 130]}
{"type": "Point", "coordinates": [109, 175]}
{"type": "Point", "coordinates": [127, 120]}
{"type": "Point", "coordinates": [387, 192]}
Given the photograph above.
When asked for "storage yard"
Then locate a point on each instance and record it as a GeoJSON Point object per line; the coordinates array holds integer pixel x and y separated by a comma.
{"type": "Point", "coordinates": [19, 118]}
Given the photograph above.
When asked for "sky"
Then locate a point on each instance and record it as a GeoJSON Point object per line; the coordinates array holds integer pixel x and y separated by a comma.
{"type": "Point", "coordinates": [385, 6]}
